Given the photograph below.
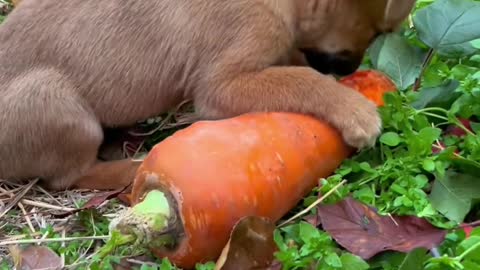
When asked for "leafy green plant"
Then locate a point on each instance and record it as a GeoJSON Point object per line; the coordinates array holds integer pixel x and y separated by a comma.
{"type": "Point", "coordinates": [427, 161]}
{"type": "Point", "coordinates": [302, 245]}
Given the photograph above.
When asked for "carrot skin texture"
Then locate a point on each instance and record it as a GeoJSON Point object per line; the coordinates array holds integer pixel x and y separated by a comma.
{"type": "Point", "coordinates": [258, 164]}
{"type": "Point", "coordinates": [371, 83]}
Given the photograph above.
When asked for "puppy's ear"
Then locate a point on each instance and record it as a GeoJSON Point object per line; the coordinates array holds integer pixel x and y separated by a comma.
{"type": "Point", "coordinates": [397, 10]}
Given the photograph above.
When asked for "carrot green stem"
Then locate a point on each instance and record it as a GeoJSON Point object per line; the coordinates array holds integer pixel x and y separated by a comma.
{"type": "Point", "coordinates": [146, 224]}
{"type": "Point", "coordinates": [117, 239]}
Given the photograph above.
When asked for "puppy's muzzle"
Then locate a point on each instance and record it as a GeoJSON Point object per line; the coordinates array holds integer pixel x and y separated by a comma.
{"type": "Point", "coordinates": [343, 63]}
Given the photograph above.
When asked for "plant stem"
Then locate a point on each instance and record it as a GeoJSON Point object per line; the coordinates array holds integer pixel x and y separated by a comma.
{"type": "Point", "coordinates": [306, 210]}
{"type": "Point", "coordinates": [364, 182]}
{"type": "Point", "coordinates": [472, 224]}
{"type": "Point", "coordinates": [116, 240]}
{"type": "Point", "coordinates": [462, 126]}
{"type": "Point", "coordinates": [465, 253]}
{"type": "Point", "coordinates": [427, 61]}
{"type": "Point", "coordinates": [435, 116]}
{"type": "Point", "coordinates": [433, 109]}
{"type": "Point", "coordinates": [49, 240]}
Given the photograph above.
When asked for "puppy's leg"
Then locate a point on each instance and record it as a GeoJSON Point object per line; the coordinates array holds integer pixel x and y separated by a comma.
{"type": "Point", "coordinates": [51, 133]}
{"type": "Point", "coordinates": [47, 131]}
{"type": "Point", "coordinates": [108, 175]}
{"type": "Point", "coordinates": [296, 89]}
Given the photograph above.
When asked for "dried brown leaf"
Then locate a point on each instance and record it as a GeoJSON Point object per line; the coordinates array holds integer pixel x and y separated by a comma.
{"type": "Point", "coordinates": [94, 202]}
{"type": "Point", "coordinates": [360, 230]}
{"type": "Point", "coordinates": [39, 257]}
{"type": "Point", "coordinates": [251, 245]}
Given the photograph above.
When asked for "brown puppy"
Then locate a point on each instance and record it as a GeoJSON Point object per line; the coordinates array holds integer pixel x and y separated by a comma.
{"type": "Point", "coordinates": [70, 67]}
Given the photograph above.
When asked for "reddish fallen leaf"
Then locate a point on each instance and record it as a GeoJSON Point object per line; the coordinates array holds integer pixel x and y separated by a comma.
{"type": "Point", "coordinates": [441, 146]}
{"type": "Point", "coordinates": [360, 230]}
{"type": "Point", "coordinates": [38, 257]}
{"type": "Point", "coordinates": [457, 131]}
{"type": "Point", "coordinates": [94, 202]}
{"type": "Point", "coordinates": [468, 231]}
{"type": "Point", "coordinates": [251, 245]}
{"type": "Point", "coordinates": [313, 219]}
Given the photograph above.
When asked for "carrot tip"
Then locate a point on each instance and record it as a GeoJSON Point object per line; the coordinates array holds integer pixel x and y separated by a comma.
{"type": "Point", "coordinates": [148, 221]}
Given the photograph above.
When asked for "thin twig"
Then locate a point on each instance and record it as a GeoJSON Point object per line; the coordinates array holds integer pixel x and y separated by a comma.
{"type": "Point", "coordinates": [62, 256]}
{"type": "Point", "coordinates": [21, 236]}
{"type": "Point", "coordinates": [18, 197]}
{"type": "Point", "coordinates": [394, 221]}
{"type": "Point", "coordinates": [472, 224]}
{"type": "Point", "coordinates": [22, 208]}
{"type": "Point", "coordinates": [46, 205]}
{"type": "Point", "coordinates": [427, 60]}
{"type": "Point", "coordinates": [50, 240]}
{"type": "Point", "coordinates": [321, 199]}
{"type": "Point", "coordinates": [134, 261]}
{"type": "Point", "coordinates": [26, 217]}
{"type": "Point", "coordinates": [49, 195]}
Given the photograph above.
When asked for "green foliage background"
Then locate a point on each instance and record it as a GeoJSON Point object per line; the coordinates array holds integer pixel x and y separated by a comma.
{"type": "Point", "coordinates": [417, 167]}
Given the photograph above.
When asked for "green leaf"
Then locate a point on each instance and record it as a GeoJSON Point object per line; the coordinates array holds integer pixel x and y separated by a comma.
{"type": "Point", "coordinates": [278, 239]}
{"type": "Point", "coordinates": [441, 96]}
{"type": "Point", "coordinates": [460, 71]}
{"type": "Point", "coordinates": [333, 260]}
{"type": "Point", "coordinates": [429, 134]}
{"type": "Point", "coordinates": [390, 138]}
{"type": "Point", "coordinates": [428, 165]}
{"type": "Point", "coordinates": [468, 243]}
{"type": "Point", "coordinates": [476, 43]}
{"type": "Point", "coordinates": [452, 194]}
{"type": "Point", "coordinates": [475, 127]}
{"type": "Point", "coordinates": [447, 23]}
{"type": "Point", "coordinates": [350, 261]}
{"type": "Point", "coordinates": [458, 50]}
{"type": "Point", "coordinates": [435, 74]}
{"type": "Point", "coordinates": [394, 56]}
{"type": "Point", "coordinates": [166, 265]}
{"type": "Point", "coordinates": [467, 166]}
{"type": "Point", "coordinates": [421, 143]}
{"type": "Point", "coordinates": [308, 232]}
{"type": "Point", "coordinates": [471, 265]}
{"type": "Point", "coordinates": [414, 260]}
{"type": "Point", "coordinates": [206, 266]}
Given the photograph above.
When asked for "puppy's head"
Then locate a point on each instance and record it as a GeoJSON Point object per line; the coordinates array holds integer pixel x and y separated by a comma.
{"type": "Point", "coordinates": [334, 34]}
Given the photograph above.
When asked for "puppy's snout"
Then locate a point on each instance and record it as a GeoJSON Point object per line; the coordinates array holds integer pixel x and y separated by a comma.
{"type": "Point", "coordinates": [345, 54]}
{"type": "Point", "coordinates": [341, 63]}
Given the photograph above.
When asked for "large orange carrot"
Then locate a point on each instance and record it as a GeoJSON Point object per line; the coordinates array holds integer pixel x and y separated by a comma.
{"type": "Point", "coordinates": [213, 173]}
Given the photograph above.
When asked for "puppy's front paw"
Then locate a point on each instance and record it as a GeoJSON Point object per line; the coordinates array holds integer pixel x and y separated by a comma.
{"type": "Point", "coordinates": [360, 124]}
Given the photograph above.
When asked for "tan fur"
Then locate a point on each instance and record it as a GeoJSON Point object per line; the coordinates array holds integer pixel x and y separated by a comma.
{"type": "Point", "coordinates": [70, 67]}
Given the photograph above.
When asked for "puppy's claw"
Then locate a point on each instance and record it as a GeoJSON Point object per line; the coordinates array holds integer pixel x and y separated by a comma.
{"type": "Point", "coordinates": [361, 139]}
{"type": "Point", "coordinates": [363, 128]}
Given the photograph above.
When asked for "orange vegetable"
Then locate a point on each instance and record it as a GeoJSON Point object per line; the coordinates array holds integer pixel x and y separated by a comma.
{"type": "Point", "coordinates": [213, 173]}
{"type": "Point", "coordinates": [371, 83]}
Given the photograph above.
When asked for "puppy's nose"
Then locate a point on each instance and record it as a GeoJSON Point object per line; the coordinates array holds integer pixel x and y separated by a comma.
{"type": "Point", "coordinates": [341, 63]}
{"type": "Point", "coordinates": [345, 54]}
